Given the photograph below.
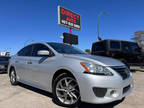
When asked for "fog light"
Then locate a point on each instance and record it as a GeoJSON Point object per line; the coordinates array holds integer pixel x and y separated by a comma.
{"type": "Point", "coordinates": [114, 93]}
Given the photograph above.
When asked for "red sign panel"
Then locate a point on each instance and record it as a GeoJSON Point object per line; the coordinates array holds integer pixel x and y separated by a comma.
{"type": "Point", "coordinates": [68, 18]}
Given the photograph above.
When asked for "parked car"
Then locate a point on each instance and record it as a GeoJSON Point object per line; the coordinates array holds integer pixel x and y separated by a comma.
{"type": "Point", "coordinates": [4, 61]}
{"type": "Point", "coordinates": [70, 74]}
{"type": "Point", "coordinates": [127, 52]}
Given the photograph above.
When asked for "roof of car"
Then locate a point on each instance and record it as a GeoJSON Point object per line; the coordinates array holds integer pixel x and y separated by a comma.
{"type": "Point", "coordinates": [115, 40]}
{"type": "Point", "coordinates": [54, 42]}
{"type": "Point", "coordinates": [42, 43]}
{"type": "Point", "coordinates": [57, 43]}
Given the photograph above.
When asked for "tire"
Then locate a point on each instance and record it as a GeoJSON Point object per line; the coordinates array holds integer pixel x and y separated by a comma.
{"type": "Point", "coordinates": [13, 77]}
{"type": "Point", "coordinates": [66, 91]}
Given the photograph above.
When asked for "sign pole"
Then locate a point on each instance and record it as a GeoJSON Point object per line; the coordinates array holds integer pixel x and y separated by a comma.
{"type": "Point", "coordinates": [70, 33]}
{"type": "Point", "coordinates": [70, 30]}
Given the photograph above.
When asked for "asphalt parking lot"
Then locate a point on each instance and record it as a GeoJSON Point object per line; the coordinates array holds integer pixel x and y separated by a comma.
{"type": "Point", "coordinates": [24, 96]}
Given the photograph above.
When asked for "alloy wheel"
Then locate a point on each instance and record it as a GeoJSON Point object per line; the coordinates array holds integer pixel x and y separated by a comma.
{"type": "Point", "coordinates": [13, 77]}
{"type": "Point", "coordinates": [67, 91]}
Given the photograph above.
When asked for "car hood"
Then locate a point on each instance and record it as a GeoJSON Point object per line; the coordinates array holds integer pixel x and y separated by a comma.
{"type": "Point", "coordinates": [105, 61]}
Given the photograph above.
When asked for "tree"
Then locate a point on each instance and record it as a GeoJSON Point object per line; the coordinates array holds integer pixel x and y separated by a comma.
{"type": "Point", "coordinates": [139, 38]}
{"type": "Point", "coordinates": [88, 51]}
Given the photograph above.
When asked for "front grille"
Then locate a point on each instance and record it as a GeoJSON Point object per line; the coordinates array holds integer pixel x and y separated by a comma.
{"type": "Point", "coordinates": [122, 71]}
{"type": "Point", "coordinates": [126, 89]}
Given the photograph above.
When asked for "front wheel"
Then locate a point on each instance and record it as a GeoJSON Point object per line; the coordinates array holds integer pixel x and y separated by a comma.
{"type": "Point", "coordinates": [13, 78]}
{"type": "Point", "coordinates": [66, 91]}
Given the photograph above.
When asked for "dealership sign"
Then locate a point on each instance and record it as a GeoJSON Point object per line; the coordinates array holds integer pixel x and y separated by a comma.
{"type": "Point", "coordinates": [68, 18]}
{"type": "Point", "coordinates": [70, 38]}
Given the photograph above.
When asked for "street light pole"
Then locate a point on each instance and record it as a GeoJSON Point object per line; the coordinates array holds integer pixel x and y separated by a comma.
{"type": "Point", "coordinates": [98, 23]}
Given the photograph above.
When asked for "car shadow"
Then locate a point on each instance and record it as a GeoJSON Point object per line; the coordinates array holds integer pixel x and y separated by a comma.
{"type": "Point", "coordinates": [83, 105]}
{"type": "Point", "coordinates": [133, 70]}
{"type": "Point", "coordinates": [109, 105]}
{"type": "Point", "coordinates": [36, 90]}
{"type": "Point", "coordinates": [4, 73]}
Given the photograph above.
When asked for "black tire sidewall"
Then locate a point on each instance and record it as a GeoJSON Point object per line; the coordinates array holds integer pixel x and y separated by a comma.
{"type": "Point", "coordinates": [54, 91]}
{"type": "Point", "coordinates": [16, 82]}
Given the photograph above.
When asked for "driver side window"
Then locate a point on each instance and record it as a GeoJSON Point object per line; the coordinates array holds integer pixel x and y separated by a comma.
{"type": "Point", "coordinates": [38, 47]}
{"type": "Point", "coordinates": [26, 51]}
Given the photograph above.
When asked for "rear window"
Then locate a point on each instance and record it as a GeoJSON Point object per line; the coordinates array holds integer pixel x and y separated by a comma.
{"type": "Point", "coordinates": [114, 44]}
{"type": "Point", "coordinates": [99, 46]}
{"type": "Point", "coordinates": [131, 47]}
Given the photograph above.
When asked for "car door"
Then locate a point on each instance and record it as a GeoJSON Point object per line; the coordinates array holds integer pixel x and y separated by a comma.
{"type": "Point", "coordinates": [41, 66]}
{"type": "Point", "coordinates": [21, 61]}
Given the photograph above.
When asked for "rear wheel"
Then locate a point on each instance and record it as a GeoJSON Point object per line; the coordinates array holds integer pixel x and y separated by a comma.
{"type": "Point", "coordinates": [13, 78]}
{"type": "Point", "coordinates": [66, 91]}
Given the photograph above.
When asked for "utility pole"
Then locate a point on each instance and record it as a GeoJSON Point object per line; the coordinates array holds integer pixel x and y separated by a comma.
{"type": "Point", "coordinates": [98, 23]}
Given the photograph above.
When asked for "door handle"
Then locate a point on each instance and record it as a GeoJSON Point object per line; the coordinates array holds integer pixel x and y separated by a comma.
{"type": "Point", "coordinates": [29, 62]}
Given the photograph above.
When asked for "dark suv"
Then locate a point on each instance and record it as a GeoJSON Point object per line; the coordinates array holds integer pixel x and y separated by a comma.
{"type": "Point", "coordinates": [128, 52]}
{"type": "Point", "coordinates": [4, 61]}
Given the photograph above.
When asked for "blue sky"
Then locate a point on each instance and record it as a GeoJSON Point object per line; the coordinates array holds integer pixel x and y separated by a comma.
{"type": "Point", "coordinates": [22, 21]}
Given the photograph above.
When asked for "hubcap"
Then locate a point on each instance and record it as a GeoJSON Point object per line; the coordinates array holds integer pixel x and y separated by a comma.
{"type": "Point", "coordinates": [67, 91]}
{"type": "Point", "coordinates": [13, 77]}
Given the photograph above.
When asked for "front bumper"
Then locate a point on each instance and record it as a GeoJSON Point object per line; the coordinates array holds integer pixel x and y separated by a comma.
{"type": "Point", "coordinates": [111, 83]}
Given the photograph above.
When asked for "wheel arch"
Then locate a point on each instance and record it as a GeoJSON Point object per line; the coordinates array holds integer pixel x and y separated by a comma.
{"type": "Point", "coordinates": [10, 68]}
{"type": "Point", "coordinates": [61, 71]}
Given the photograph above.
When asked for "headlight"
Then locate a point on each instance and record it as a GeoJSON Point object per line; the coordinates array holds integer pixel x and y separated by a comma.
{"type": "Point", "coordinates": [95, 69]}
{"type": "Point", "coordinates": [1, 67]}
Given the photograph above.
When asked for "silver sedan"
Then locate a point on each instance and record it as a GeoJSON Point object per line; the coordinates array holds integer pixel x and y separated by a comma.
{"type": "Point", "coordinates": [70, 74]}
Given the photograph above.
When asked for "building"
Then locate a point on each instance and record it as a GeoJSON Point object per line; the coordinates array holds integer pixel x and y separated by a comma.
{"type": "Point", "coordinates": [139, 38]}
{"type": "Point", "coordinates": [4, 53]}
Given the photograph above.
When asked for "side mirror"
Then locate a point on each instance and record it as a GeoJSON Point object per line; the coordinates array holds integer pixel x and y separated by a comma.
{"type": "Point", "coordinates": [43, 53]}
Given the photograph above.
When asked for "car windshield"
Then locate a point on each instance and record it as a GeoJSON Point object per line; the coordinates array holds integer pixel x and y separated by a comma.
{"type": "Point", "coordinates": [65, 49]}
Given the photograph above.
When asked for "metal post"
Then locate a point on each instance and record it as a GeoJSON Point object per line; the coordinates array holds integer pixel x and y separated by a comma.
{"type": "Point", "coordinates": [70, 30]}
{"type": "Point", "coordinates": [98, 23]}
{"type": "Point", "coordinates": [70, 33]}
